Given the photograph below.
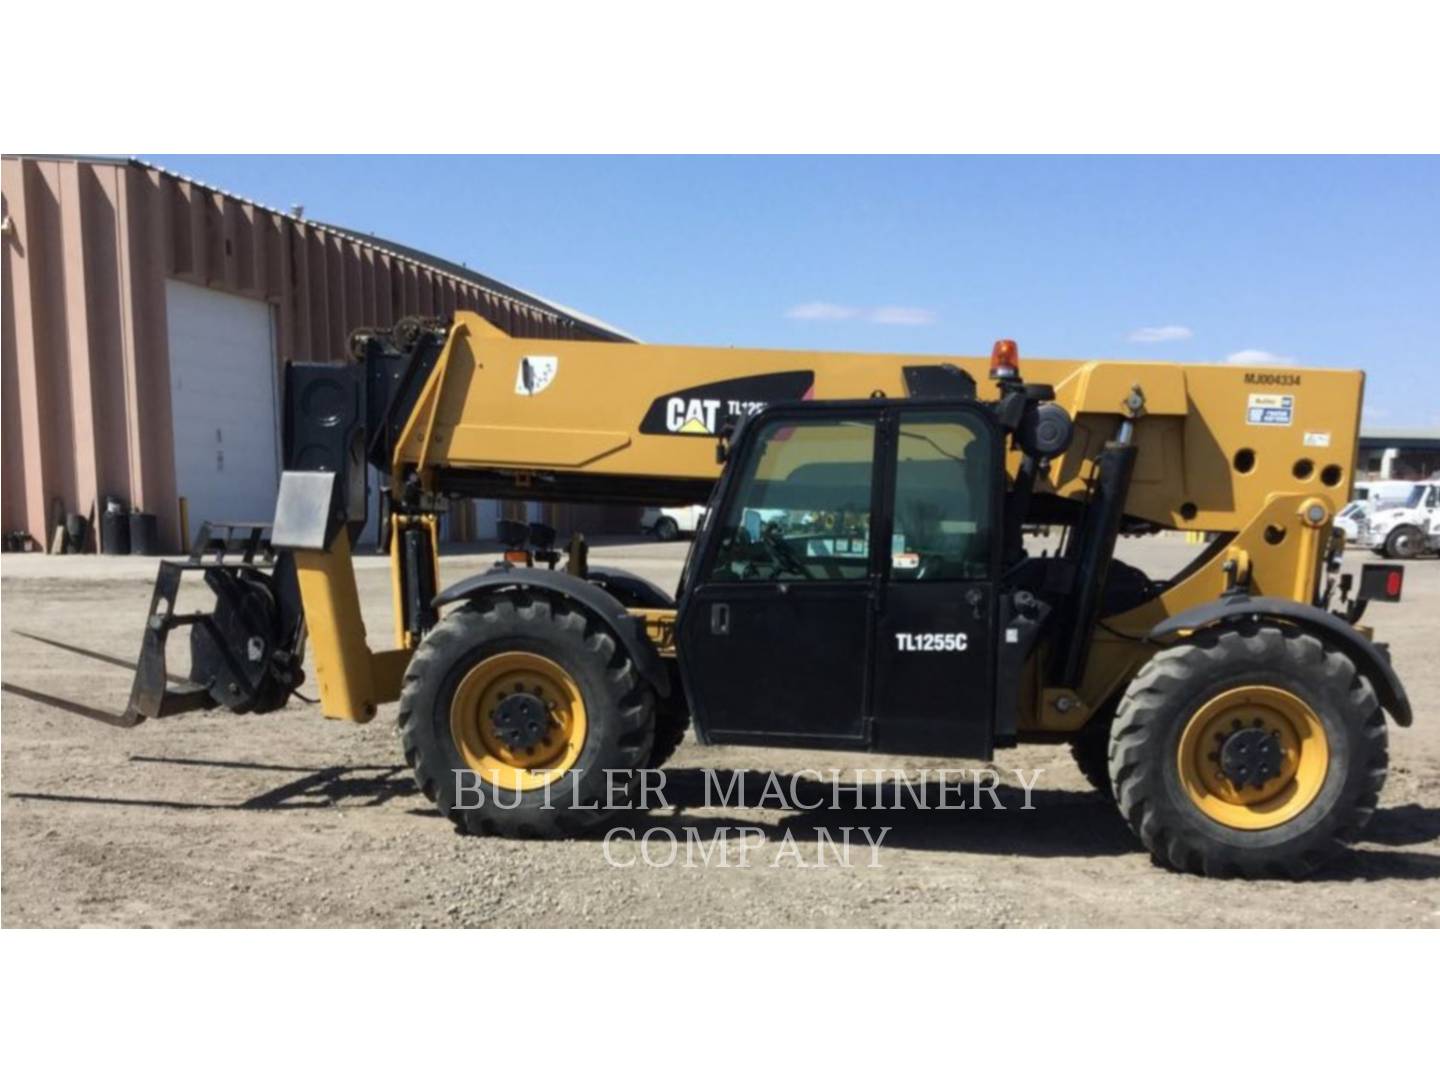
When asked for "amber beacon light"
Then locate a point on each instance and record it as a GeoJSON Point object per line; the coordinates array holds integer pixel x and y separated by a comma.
{"type": "Point", "coordinates": [1005, 360]}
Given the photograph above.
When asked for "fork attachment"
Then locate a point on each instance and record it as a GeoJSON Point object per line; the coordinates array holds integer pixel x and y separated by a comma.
{"type": "Point", "coordinates": [246, 654]}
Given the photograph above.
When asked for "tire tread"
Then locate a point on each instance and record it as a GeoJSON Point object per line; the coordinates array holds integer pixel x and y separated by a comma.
{"type": "Point", "coordinates": [1144, 721]}
{"type": "Point", "coordinates": [631, 703]}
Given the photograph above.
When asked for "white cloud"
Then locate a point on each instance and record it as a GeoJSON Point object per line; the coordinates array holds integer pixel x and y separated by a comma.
{"type": "Point", "coordinates": [901, 316]}
{"type": "Point", "coordinates": [1152, 334]}
{"type": "Point", "coordinates": [1259, 358]}
{"type": "Point", "coordinates": [820, 310]}
{"type": "Point", "coordinates": [889, 314]}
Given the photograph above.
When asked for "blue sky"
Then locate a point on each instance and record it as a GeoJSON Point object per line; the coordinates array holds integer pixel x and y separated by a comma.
{"type": "Point", "coordinates": [1323, 261]}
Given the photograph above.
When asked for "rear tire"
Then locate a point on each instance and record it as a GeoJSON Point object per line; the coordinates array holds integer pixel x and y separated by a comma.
{"type": "Point", "coordinates": [1167, 792]}
{"type": "Point", "coordinates": [667, 529]}
{"type": "Point", "coordinates": [1405, 542]}
{"type": "Point", "coordinates": [1091, 751]}
{"type": "Point", "coordinates": [445, 727]}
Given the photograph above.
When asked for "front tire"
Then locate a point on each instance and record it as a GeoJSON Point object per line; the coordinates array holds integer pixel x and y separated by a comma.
{"type": "Point", "coordinates": [1405, 542]}
{"type": "Point", "coordinates": [667, 529]}
{"type": "Point", "coordinates": [1253, 750]}
{"type": "Point", "coordinates": [531, 699]}
{"type": "Point", "coordinates": [672, 720]}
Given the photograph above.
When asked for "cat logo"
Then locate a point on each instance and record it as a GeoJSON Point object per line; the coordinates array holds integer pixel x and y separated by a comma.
{"type": "Point", "coordinates": [694, 417]}
{"type": "Point", "coordinates": [705, 410]}
{"type": "Point", "coordinates": [534, 374]}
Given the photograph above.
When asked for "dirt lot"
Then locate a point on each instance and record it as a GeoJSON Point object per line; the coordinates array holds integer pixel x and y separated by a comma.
{"type": "Point", "coordinates": [292, 820]}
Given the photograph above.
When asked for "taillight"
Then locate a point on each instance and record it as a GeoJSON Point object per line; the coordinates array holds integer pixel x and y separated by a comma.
{"type": "Point", "coordinates": [1381, 581]}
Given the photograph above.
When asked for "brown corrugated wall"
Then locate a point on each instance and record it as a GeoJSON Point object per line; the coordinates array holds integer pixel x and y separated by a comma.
{"type": "Point", "coordinates": [88, 246]}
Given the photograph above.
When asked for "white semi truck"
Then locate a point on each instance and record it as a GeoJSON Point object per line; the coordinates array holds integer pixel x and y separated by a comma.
{"type": "Point", "coordinates": [1405, 529]}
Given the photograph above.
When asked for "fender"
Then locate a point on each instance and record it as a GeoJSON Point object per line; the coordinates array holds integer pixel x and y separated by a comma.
{"type": "Point", "coordinates": [623, 584]}
{"type": "Point", "coordinates": [1372, 660]}
{"type": "Point", "coordinates": [626, 627]}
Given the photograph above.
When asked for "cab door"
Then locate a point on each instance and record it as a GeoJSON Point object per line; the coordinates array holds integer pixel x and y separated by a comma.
{"type": "Point", "coordinates": [934, 649]}
{"type": "Point", "coordinates": [776, 623]}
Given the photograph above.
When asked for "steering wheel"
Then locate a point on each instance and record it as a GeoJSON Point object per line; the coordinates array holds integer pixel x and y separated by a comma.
{"type": "Point", "coordinates": [774, 542]}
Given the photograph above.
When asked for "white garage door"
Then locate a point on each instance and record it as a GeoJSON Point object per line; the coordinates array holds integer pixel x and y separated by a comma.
{"type": "Point", "coordinates": [223, 400]}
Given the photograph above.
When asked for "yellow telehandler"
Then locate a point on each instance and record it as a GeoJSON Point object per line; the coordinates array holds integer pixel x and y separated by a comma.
{"type": "Point", "coordinates": [859, 580]}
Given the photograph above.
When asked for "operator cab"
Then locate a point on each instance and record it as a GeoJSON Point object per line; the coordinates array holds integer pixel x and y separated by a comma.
{"type": "Point", "coordinates": [843, 589]}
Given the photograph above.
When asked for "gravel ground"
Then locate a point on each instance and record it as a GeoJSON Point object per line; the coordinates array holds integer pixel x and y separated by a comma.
{"type": "Point", "coordinates": [292, 820]}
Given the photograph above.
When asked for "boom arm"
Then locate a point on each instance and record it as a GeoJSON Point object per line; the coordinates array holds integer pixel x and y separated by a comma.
{"type": "Point", "coordinates": [610, 422]}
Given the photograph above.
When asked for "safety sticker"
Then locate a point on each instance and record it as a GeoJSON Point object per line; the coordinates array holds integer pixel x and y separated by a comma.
{"type": "Point", "coordinates": [1273, 409]}
{"type": "Point", "coordinates": [1317, 438]}
{"type": "Point", "coordinates": [534, 374]}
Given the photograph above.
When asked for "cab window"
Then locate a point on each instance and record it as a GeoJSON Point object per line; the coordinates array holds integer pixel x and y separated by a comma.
{"type": "Point", "coordinates": [800, 510]}
{"type": "Point", "coordinates": [944, 472]}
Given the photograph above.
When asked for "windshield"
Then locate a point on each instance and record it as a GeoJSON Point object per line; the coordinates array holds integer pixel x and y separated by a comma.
{"type": "Point", "coordinates": [1417, 493]}
{"type": "Point", "coordinates": [801, 508]}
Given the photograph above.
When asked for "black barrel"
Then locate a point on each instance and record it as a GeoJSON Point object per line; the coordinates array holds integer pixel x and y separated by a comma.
{"type": "Point", "coordinates": [144, 535]}
{"type": "Point", "coordinates": [115, 528]}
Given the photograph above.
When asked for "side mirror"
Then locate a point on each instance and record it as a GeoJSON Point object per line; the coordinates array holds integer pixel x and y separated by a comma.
{"type": "Point", "coordinates": [515, 535]}
{"type": "Point", "coordinates": [541, 534]}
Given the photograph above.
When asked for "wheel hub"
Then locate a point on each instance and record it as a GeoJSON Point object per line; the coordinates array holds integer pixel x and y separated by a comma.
{"type": "Point", "coordinates": [518, 720]}
{"type": "Point", "coordinates": [1251, 756]}
{"type": "Point", "coordinates": [521, 721]}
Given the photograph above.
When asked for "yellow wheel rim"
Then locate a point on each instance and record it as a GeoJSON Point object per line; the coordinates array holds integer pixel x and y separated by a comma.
{"type": "Point", "coordinates": [1253, 757]}
{"type": "Point", "coordinates": [528, 743]}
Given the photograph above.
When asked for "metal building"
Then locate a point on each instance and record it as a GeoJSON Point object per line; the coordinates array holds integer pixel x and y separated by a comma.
{"type": "Point", "coordinates": [1399, 453]}
{"type": "Point", "coordinates": [146, 320]}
